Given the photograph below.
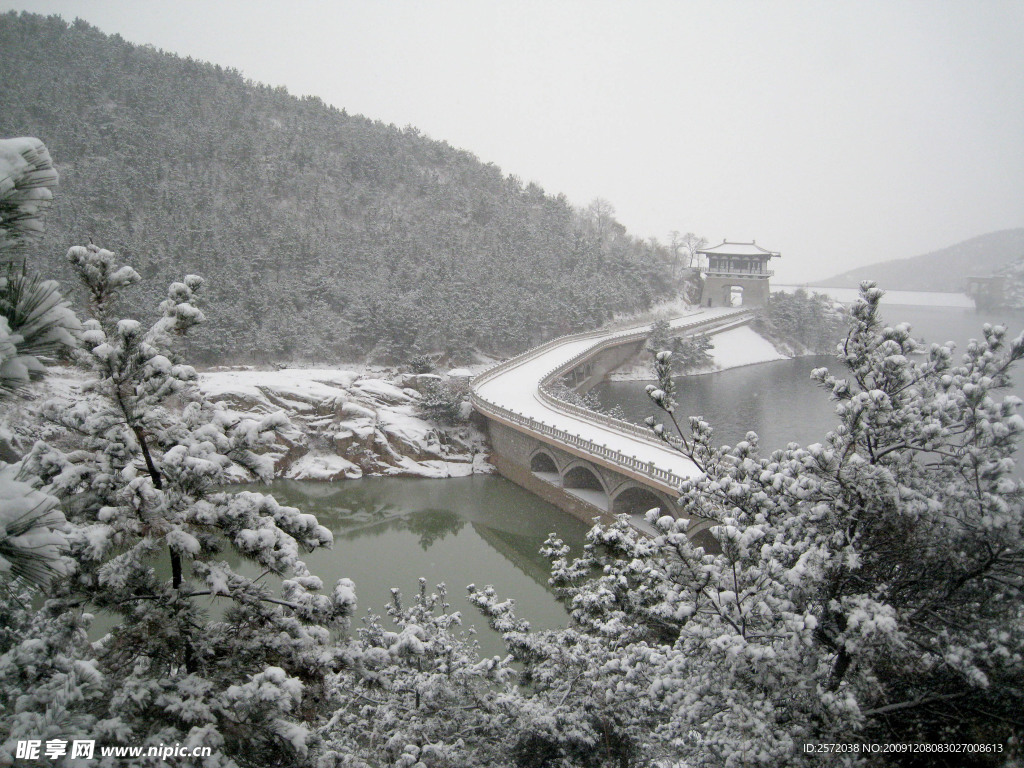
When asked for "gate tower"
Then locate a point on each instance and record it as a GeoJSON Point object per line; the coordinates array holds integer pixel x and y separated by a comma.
{"type": "Point", "coordinates": [736, 271]}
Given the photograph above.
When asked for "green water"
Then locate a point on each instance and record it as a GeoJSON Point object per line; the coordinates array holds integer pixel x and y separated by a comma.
{"type": "Point", "coordinates": [479, 530]}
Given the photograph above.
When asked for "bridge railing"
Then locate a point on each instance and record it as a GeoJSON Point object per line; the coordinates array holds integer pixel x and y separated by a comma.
{"type": "Point", "coordinates": [719, 323]}
{"type": "Point", "coordinates": [568, 439]}
{"type": "Point", "coordinates": [512, 362]}
{"type": "Point", "coordinates": [616, 425]}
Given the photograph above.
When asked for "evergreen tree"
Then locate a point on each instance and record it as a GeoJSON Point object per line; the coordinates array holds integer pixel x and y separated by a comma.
{"type": "Point", "coordinates": [418, 695]}
{"type": "Point", "coordinates": [688, 353]}
{"type": "Point", "coordinates": [205, 654]}
{"type": "Point", "coordinates": [372, 238]}
{"type": "Point", "coordinates": [867, 589]}
{"type": "Point", "coordinates": [36, 324]}
{"type": "Point", "coordinates": [802, 322]}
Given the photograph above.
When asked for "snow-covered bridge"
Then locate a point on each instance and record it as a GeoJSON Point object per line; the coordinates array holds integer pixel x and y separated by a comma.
{"type": "Point", "coordinates": [584, 462]}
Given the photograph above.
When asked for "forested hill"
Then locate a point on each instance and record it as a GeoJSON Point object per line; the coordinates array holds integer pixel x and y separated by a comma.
{"type": "Point", "coordinates": [945, 270]}
{"type": "Point", "coordinates": [321, 234]}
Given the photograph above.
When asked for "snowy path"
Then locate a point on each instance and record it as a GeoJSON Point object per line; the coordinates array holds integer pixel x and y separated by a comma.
{"type": "Point", "coordinates": [510, 392]}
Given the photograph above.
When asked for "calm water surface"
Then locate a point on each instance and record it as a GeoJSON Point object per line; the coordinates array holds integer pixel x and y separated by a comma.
{"type": "Point", "coordinates": [479, 530]}
{"type": "Point", "coordinates": [778, 400]}
{"type": "Point", "coordinates": [388, 532]}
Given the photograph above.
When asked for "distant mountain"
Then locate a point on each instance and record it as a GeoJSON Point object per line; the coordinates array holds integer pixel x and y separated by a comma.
{"type": "Point", "coordinates": [945, 270]}
{"type": "Point", "coordinates": [322, 235]}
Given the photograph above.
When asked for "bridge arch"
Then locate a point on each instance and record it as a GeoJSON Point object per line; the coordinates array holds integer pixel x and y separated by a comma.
{"type": "Point", "coordinates": [707, 540]}
{"type": "Point", "coordinates": [582, 475]}
{"type": "Point", "coordinates": [583, 481]}
{"type": "Point", "coordinates": [543, 462]}
{"type": "Point", "coordinates": [700, 534]}
{"type": "Point", "coordinates": [635, 499]}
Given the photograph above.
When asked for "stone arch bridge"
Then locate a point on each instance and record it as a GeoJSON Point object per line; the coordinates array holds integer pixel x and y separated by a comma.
{"type": "Point", "coordinates": [586, 463]}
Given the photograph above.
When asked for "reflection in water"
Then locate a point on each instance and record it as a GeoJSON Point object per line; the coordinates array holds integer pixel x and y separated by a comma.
{"type": "Point", "coordinates": [433, 525]}
{"type": "Point", "coordinates": [389, 532]}
{"type": "Point", "coordinates": [530, 562]}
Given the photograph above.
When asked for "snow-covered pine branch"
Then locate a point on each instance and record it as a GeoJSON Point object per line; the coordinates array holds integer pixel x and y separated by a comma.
{"type": "Point", "coordinates": [157, 541]}
{"type": "Point", "coordinates": [881, 567]}
{"type": "Point", "coordinates": [36, 323]}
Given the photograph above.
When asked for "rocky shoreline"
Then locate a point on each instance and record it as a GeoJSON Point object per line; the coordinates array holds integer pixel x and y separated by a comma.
{"type": "Point", "coordinates": [342, 424]}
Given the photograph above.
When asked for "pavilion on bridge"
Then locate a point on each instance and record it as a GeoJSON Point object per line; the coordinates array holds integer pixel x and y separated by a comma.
{"type": "Point", "coordinates": [737, 275]}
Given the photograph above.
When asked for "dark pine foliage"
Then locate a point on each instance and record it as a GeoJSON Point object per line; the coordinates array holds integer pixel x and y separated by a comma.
{"type": "Point", "coordinates": [806, 323]}
{"type": "Point", "coordinates": [689, 353]}
{"type": "Point", "coordinates": [327, 234]}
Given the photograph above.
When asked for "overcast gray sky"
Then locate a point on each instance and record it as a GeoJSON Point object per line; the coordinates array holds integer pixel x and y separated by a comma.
{"type": "Point", "coordinates": [839, 133]}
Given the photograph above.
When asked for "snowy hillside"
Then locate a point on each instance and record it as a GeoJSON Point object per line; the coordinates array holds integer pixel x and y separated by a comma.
{"type": "Point", "coordinates": [323, 236]}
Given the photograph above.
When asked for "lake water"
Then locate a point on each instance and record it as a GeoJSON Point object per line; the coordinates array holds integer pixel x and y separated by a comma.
{"type": "Point", "coordinates": [485, 530]}
{"type": "Point", "coordinates": [479, 530]}
{"type": "Point", "coordinates": [778, 400]}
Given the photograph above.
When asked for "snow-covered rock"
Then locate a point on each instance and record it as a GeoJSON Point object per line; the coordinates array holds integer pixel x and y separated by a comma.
{"type": "Point", "coordinates": [345, 424]}
{"type": "Point", "coordinates": [341, 424]}
{"type": "Point", "coordinates": [323, 467]}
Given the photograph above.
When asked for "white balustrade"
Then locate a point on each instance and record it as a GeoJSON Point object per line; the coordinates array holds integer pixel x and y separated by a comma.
{"type": "Point", "coordinates": [612, 424]}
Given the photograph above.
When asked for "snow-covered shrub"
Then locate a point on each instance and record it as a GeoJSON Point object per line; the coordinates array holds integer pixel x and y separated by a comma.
{"type": "Point", "coordinates": [583, 690]}
{"type": "Point", "coordinates": [589, 400]}
{"type": "Point", "coordinates": [205, 652]}
{"type": "Point", "coordinates": [876, 573]}
{"type": "Point", "coordinates": [688, 353]}
{"type": "Point", "coordinates": [421, 364]}
{"type": "Point", "coordinates": [868, 588]}
{"type": "Point", "coordinates": [417, 693]}
{"type": "Point", "coordinates": [443, 400]}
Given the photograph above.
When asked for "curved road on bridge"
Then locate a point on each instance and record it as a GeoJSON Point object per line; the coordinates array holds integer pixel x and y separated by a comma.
{"type": "Point", "coordinates": [511, 392]}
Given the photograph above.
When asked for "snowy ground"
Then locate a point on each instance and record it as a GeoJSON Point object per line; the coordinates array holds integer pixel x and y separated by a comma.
{"type": "Point", "coordinates": [343, 423]}
{"type": "Point", "coordinates": [733, 348]}
{"type": "Point", "coordinates": [742, 346]}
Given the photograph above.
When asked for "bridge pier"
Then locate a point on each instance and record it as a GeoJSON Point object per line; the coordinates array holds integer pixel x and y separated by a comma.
{"type": "Point", "coordinates": [580, 487]}
{"type": "Point", "coordinates": [588, 464]}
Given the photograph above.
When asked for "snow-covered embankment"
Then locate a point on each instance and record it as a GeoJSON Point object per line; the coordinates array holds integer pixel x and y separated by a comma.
{"type": "Point", "coordinates": [733, 348]}
{"type": "Point", "coordinates": [346, 425]}
{"type": "Point", "coordinates": [342, 424]}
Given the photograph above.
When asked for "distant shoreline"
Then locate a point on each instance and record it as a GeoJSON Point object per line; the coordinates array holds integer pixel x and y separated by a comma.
{"type": "Point", "coordinates": [902, 298]}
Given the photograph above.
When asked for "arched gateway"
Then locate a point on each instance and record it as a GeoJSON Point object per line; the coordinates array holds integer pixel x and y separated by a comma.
{"type": "Point", "coordinates": [737, 275]}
